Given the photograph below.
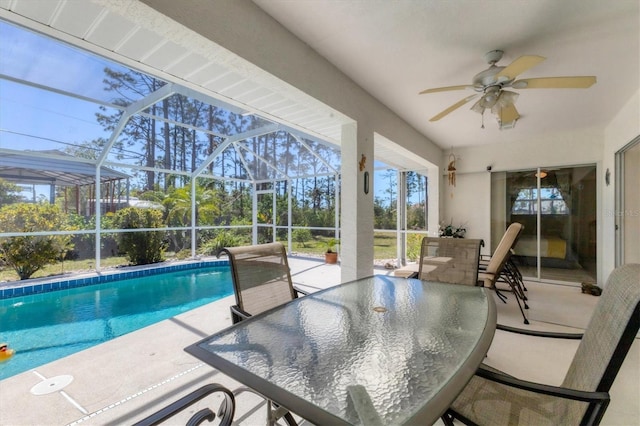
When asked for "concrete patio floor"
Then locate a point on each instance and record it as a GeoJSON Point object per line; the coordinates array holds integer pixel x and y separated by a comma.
{"type": "Point", "coordinates": [126, 379]}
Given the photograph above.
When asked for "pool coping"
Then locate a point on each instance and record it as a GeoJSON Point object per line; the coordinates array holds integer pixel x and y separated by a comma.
{"type": "Point", "coordinates": [14, 289]}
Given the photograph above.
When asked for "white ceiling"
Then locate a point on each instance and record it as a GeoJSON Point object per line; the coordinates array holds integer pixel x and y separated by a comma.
{"type": "Point", "coordinates": [394, 49]}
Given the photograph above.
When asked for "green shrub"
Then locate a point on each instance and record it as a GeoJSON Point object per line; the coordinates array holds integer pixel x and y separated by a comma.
{"type": "Point", "coordinates": [222, 240]}
{"type": "Point", "coordinates": [414, 245]}
{"type": "Point", "coordinates": [30, 253]}
{"type": "Point", "coordinates": [183, 254]}
{"type": "Point", "coordinates": [141, 247]}
{"type": "Point", "coordinates": [301, 235]}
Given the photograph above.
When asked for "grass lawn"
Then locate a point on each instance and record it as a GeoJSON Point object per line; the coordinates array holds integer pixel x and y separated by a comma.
{"type": "Point", "coordinates": [384, 248]}
{"type": "Point", "coordinates": [87, 265]}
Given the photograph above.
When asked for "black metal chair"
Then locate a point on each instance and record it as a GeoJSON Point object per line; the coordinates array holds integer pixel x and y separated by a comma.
{"type": "Point", "coordinates": [225, 412]}
{"type": "Point", "coordinates": [497, 268]}
{"type": "Point", "coordinates": [495, 398]}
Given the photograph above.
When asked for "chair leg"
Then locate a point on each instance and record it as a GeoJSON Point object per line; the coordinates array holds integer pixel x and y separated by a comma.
{"type": "Point", "coordinates": [526, 321]}
{"type": "Point", "coordinates": [516, 296]}
{"type": "Point", "coordinates": [517, 273]}
{"type": "Point", "coordinates": [447, 419]}
{"type": "Point", "coordinates": [274, 411]}
{"type": "Point", "coordinates": [513, 275]}
{"type": "Point", "coordinates": [517, 291]}
{"type": "Point", "coordinates": [500, 295]}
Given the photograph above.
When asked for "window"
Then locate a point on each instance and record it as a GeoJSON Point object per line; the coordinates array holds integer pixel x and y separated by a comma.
{"type": "Point", "coordinates": [551, 202]}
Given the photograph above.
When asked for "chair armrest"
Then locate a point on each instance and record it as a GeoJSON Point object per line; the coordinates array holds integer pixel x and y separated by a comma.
{"type": "Point", "coordinates": [226, 412]}
{"type": "Point", "coordinates": [235, 309]}
{"type": "Point", "coordinates": [549, 334]}
{"type": "Point", "coordinates": [576, 395]}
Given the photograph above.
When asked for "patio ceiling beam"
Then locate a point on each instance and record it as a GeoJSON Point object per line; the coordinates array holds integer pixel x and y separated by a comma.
{"type": "Point", "coordinates": [134, 108]}
{"type": "Point", "coordinates": [308, 148]}
{"type": "Point", "coordinates": [147, 168]}
{"type": "Point", "coordinates": [181, 124]}
{"type": "Point", "coordinates": [61, 92]}
{"type": "Point", "coordinates": [152, 98]}
{"type": "Point", "coordinates": [265, 161]}
{"type": "Point", "coordinates": [244, 162]}
{"type": "Point", "coordinates": [235, 138]}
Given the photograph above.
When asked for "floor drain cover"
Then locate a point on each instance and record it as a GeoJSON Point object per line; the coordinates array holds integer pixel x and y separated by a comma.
{"type": "Point", "coordinates": [51, 385]}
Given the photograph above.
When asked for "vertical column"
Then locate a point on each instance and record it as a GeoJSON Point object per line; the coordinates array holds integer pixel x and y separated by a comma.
{"type": "Point", "coordinates": [401, 224]}
{"type": "Point", "coordinates": [356, 244]}
{"type": "Point", "coordinates": [254, 214]}
{"type": "Point", "coordinates": [433, 200]}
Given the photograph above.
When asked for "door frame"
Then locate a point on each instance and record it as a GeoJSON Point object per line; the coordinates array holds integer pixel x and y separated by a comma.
{"type": "Point", "coordinates": [620, 207]}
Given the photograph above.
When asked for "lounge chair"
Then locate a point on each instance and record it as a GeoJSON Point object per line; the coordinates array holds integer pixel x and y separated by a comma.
{"type": "Point", "coordinates": [495, 269]}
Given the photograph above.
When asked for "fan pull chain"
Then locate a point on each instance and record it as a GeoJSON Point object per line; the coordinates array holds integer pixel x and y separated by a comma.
{"type": "Point", "coordinates": [482, 127]}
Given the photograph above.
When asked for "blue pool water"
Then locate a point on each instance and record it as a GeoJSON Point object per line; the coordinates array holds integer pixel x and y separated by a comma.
{"type": "Point", "coordinates": [48, 326]}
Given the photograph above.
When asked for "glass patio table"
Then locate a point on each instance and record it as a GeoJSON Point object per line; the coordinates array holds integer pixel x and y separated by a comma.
{"type": "Point", "coordinates": [379, 350]}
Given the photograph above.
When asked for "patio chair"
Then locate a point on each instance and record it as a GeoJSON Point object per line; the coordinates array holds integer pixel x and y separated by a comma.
{"type": "Point", "coordinates": [261, 279]}
{"type": "Point", "coordinates": [495, 268]}
{"type": "Point", "coordinates": [494, 398]}
{"type": "Point", "coordinates": [510, 275]}
{"type": "Point", "coordinates": [449, 260]}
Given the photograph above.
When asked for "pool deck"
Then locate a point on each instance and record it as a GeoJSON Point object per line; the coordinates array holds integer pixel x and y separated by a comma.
{"type": "Point", "coordinates": [126, 379]}
{"type": "Point", "coordinates": [132, 376]}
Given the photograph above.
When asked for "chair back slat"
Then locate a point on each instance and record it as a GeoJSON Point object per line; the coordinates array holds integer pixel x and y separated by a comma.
{"type": "Point", "coordinates": [449, 260]}
{"type": "Point", "coordinates": [261, 276]}
{"type": "Point", "coordinates": [613, 327]}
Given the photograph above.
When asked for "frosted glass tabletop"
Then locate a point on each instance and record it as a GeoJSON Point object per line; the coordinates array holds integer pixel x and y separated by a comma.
{"type": "Point", "coordinates": [379, 350]}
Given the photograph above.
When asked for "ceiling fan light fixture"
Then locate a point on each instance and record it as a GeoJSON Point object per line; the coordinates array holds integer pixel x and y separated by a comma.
{"type": "Point", "coordinates": [477, 107]}
{"type": "Point", "coordinates": [490, 84]}
{"type": "Point", "coordinates": [507, 126]}
{"type": "Point", "coordinates": [505, 99]}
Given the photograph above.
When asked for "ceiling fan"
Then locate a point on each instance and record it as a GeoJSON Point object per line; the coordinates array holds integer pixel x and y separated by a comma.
{"type": "Point", "coordinates": [490, 85]}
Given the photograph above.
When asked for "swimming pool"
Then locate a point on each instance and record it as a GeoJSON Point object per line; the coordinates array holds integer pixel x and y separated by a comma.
{"type": "Point", "coordinates": [50, 325]}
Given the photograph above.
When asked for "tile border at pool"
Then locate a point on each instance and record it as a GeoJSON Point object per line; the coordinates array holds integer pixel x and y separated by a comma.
{"type": "Point", "coordinates": [99, 278]}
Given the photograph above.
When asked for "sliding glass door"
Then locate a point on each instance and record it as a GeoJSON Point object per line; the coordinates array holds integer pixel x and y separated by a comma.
{"type": "Point", "coordinates": [557, 207]}
{"type": "Point", "coordinates": [627, 213]}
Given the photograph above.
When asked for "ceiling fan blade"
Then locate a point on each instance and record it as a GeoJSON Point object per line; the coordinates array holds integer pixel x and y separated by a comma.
{"type": "Point", "coordinates": [582, 82]}
{"type": "Point", "coordinates": [519, 66]}
{"type": "Point", "coordinates": [445, 89]}
{"type": "Point", "coordinates": [507, 113]}
{"type": "Point", "coordinates": [452, 108]}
